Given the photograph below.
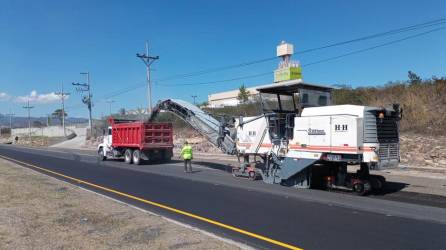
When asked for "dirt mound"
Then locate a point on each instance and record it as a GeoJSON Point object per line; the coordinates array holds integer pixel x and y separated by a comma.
{"type": "Point", "coordinates": [199, 143]}
{"type": "Point", "coordinates": [423, 150]}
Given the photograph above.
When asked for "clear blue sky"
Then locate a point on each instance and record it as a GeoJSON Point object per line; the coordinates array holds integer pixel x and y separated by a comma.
{"type": "Point", "coordinates": [44, 43]}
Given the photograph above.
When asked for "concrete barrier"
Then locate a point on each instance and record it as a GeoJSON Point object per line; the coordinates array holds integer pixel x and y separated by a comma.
{"type": "Point", "coordinates": [51, 131]}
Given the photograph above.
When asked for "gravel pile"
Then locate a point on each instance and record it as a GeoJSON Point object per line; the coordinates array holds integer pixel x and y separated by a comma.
{"type": "Point", "coordinates": [422, 150]}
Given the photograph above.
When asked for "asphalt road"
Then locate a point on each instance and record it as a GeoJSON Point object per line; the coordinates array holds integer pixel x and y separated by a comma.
{"type": "Point", "coordinates": [308, 219]}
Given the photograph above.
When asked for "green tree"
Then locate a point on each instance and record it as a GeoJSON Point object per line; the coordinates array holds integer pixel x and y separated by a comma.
{"type": "Point", "coordinates": [413, 78]}
{"type": "Point", "coordinates": [58, 114]}
{"type": "Point", "coordinates": [243, 94]}
{"type": "Point", "coordinates": [48, 120]}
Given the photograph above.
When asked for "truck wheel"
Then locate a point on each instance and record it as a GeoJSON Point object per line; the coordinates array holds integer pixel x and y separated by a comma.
{"type": "Point", "coordinates": [252, 176]}
{"type": "Point", "coordinates": [136, 157]}
{"type": "Point", "coordinates": [128, 156]}
{"type": "Point", "coordinates": [101, 154]}
{"type": "Point", "coordinates": [359, 189]}
{"type": "Point", "coordinates": [166, 156]}
{"type": "Point", "coordinates": [235, 172]}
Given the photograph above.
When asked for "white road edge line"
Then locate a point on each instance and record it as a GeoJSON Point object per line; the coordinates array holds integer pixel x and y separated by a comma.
{"type": "Point", "coordinates": [54, 151]}
{"type": "Point", "coordinates": [64, 152]}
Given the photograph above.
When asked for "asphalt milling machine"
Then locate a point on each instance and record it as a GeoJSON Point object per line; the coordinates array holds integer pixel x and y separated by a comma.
{"type": "Point", "coordinates": [301, 140]}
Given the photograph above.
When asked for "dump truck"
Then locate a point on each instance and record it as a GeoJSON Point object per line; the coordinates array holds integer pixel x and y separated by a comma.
{"type": "Point", "coordinates": [136, 141]}
{"type": "Point", "coordinates": [301, 139]}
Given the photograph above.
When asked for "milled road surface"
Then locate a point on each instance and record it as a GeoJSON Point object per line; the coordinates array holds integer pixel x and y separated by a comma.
{"type": "Point", "coordinates": [308, 219]}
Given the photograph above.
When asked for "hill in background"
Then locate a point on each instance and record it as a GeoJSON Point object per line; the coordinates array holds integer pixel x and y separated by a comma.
{"type": "Point", "coordinates": [423, 102]}
{"type": "Point", "coordinates": [22, 122]}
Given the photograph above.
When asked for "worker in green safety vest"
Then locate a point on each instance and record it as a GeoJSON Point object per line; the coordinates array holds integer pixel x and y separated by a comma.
{"type": "Point", "coordinates": [186, 153]}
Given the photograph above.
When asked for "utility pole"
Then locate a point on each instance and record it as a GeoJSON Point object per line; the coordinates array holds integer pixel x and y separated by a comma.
{"type": "Point", "coordinates": [110, 105]}
{"type": "Point", "coordinates": [29, 119]}
{"type": "Point", "coordinates": [62, 96]}
{"type": "Point", "coordinates": [148, 60]}
{"type": "Point", "coordinates": [194, 96]}
{"type": "Point", "coordinates": [10, 121]}
{"type": "Point", "coordinates": [86, 87]}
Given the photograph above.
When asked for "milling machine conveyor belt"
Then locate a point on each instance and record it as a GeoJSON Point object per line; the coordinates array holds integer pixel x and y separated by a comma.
{"type": "Point", "coordinates": [213, 130]}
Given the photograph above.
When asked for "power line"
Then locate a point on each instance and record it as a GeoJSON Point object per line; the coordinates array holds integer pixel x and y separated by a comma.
{"type": "Point", "coordinates": [110, 102]}
{"type": "Point", "coordinates": [381, 34]}
{"type": "Point", "coordinates": [211, 70]}
{"type": "Point", "coordinates": [216, 69]}
{"type": "Point", "coordinates": [373, 47]}
{"type": "Point", "coordinates": [304, 65]}
{"type": "Point", "coordinates": [221, 81]}
{"type": "Point", "coordinates": [124, 90]}
{"type": "Point", "coordinates": [186, 84]}
{"type": "Point", "coordinates": [376, 35]}
{"type": "Point", "coordinates": [320, 61]}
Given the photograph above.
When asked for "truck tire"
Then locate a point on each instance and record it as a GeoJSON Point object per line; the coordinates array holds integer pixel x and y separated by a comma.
{"type": "Point", "coordinates": [128, 156]}
{"type": "Point", "coordinates": [136, 157]}
{"type": "Point", "coordinates": [360, 189]}
{"type": "Point", "coordinates": [101, 154]}
{"type": "Point", "coordinates": [166, 156]}
{"type": "Point", "coordinates": [252, 176]}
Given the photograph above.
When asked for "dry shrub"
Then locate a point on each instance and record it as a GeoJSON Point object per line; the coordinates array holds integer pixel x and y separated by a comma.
{"type": "Point", "coordinates": [424, 103]}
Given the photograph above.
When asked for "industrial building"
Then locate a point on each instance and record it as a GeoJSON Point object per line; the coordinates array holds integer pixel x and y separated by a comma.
{"type": "Point", "coordinates": [287, 71]}
{"type": "Point", "coordinates": [229, 98]}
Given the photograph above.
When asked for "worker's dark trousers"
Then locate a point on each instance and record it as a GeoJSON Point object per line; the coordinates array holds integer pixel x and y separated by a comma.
{"type": "Point", "coordinates": [188, 162]}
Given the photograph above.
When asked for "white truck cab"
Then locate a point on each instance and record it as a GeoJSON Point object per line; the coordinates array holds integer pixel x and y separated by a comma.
{"type": "Point", "coordinates": [105, 148]}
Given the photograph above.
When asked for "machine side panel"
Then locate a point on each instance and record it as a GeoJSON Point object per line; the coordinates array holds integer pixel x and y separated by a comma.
{"type": "Point", "coordinates": [253, 136]}
{"type": "Point", "coordinates": [319, 132]}
{"type": "Point", "coordinates": [301, 137]}
{"type": "Point", "coordinates": [345, 138]}
{"type": "Point", "coordinates": [338, 134]}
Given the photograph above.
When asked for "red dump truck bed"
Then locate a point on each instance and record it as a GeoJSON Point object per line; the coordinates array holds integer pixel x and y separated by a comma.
{"type": "Point", "coordinates": [141, 135]}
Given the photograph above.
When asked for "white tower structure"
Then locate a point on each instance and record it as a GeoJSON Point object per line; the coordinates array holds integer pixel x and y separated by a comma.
{"type": "Point", "coordinates": [285, 50]}
{"type": "Point", "coordinates": [288, 69]}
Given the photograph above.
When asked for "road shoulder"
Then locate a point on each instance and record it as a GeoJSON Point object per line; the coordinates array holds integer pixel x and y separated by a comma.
{"type": "Point", "coordinates": [38, 211]}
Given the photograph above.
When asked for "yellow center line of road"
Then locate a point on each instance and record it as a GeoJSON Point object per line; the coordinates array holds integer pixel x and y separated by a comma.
{"type": "Point", "coordinates": [156, 204]}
